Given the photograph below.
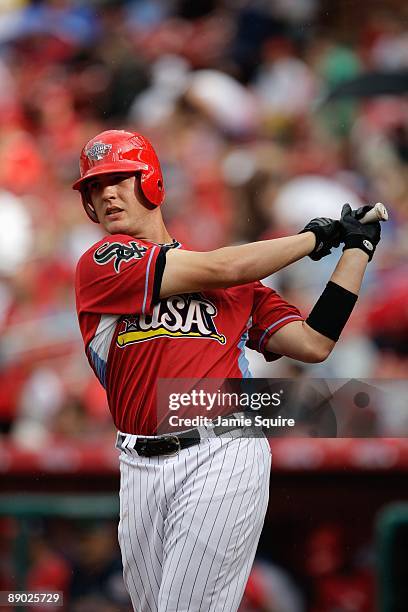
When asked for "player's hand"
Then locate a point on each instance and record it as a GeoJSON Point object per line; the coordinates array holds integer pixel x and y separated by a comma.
{"type": "Point", "coordinates": [356, 235]}
{"type": "Point", "coordinates": [327, 233]}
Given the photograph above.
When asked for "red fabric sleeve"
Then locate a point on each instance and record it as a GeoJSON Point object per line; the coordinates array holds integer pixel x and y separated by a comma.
{"type": "Point", "coordinates": [119, 275]}
{"type": "Point", "coordinates": [269, 313]}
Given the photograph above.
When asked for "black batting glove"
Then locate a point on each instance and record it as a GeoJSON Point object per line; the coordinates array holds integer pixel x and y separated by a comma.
{"type": "Point", "coordinates": [356, 235]}
{"type": "Point", "coordinates": [327, 233]}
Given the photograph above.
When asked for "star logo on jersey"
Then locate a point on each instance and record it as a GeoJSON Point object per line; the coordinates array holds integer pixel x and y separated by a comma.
{"type": "Point", "coordinates": [98, 151]}
{"type": "Point", "coordinates": [178, 316]}
{"type": "Point", "coordinates": [118, 252]}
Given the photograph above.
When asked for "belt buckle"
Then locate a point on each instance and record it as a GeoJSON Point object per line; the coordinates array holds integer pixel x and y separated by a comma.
{"type": "Point", "coordinates": [174, 440]}
{"type": "Point", "coordinates": [158, 447]}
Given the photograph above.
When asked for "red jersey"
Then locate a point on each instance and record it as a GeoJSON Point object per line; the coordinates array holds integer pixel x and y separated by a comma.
{"type": "Point", "coordinates": [132, 338]}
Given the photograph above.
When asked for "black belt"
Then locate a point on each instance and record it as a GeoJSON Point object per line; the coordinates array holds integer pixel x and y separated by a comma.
{"type": "Point", "coordinates": [169, 444]}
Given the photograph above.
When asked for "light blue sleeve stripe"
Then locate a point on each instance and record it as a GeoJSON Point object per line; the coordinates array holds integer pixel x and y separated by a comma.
{"type": "Point", "coordinates": [243, 362]}
{"type": "Point", "coordinates": [294, 317]}
{"type": "Point", "coordinates": [100, 367]}
{"type": "Point", "coordinates": [147, 279]}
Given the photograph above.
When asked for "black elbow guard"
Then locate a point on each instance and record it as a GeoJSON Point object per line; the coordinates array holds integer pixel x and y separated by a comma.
{"type": "Point", "coordinates": [332, 311]}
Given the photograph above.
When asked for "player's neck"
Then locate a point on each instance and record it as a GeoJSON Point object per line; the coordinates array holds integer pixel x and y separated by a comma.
{"type": "Point", "coordinates": [153, 229]}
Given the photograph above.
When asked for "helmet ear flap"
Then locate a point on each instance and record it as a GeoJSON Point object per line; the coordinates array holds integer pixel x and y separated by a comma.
{"type": "Point", "coordinates": [88, 206]}
{"type": "Point", "coordinates": [140, 191]}
{"type": "Point", "coordinates": [152, 185]}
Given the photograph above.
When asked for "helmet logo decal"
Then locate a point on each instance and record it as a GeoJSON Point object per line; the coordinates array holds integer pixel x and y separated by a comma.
{"type": "Point", "coordinates": [98, 151]}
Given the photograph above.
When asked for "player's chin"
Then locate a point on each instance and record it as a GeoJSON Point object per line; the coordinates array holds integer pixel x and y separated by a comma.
{"type": "Point", "coordinates": [115, 227]}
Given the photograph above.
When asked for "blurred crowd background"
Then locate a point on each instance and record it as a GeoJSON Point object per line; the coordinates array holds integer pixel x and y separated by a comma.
{"type": "Point", "coordinates": [236, 97]}
{"type": "Point", "coordinates": [244, 102]}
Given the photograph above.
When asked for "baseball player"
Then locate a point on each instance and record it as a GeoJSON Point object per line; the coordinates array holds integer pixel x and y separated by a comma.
{"type": "Point", "coordinates": [192, 505]}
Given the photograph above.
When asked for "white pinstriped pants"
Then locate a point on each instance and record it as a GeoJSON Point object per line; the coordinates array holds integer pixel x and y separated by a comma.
{"type": "Point", "coordinates": [190, 523]}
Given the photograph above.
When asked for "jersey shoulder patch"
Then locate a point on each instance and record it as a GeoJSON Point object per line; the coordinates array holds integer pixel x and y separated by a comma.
{"type": "Point", "coordinates": [118, 276]}
{"type": "Point", "coordinates": [118, 252]}
{"type": "Point", "coordinates": [114, 251]}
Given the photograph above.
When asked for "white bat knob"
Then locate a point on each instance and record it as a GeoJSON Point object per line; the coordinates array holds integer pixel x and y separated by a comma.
{"type": "Point", "coordinates": [377, 213]}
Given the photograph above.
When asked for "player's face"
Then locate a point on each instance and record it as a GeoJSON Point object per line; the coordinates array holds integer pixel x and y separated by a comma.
{"type": "Point", "coordinates": [115, 201]}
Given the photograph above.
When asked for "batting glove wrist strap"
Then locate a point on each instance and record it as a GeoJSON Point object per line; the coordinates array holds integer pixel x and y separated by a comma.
{"type": "Point", "coordinates": [356, 235]}
{"type": "Point", "coordinates": [327, 233]}
{"type": "Point", "coordinates": [357, 242]}
{"type": "Point", "coordinates": [332, 311]}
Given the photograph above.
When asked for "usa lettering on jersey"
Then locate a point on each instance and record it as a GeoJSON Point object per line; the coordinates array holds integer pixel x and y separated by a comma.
{"type": "Point", "coordinates": [178, 316]}
{"type": "Point", "coordinates": [119, 252]}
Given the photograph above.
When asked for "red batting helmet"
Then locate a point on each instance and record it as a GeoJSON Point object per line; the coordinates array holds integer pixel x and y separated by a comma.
{"type": "Point", "coordinates": [120, 151]}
